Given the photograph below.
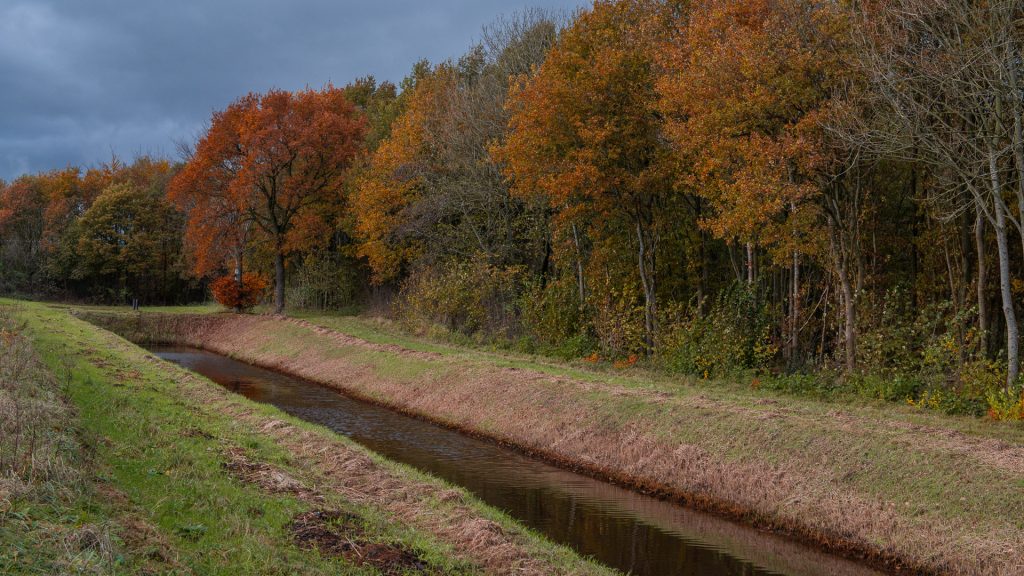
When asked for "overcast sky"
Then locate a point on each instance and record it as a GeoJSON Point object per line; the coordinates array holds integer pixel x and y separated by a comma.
{"type": "Point", "coordinates": [82, 79]}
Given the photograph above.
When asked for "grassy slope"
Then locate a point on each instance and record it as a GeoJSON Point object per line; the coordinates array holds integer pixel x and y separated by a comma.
{"type": "Point", "coordinates": [940, 492]}
{"type": "Point", "coordinates": [162, 455]}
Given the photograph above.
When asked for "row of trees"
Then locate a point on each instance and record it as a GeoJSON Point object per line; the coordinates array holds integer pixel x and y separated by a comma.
{"type": "Point", "coordinates": [107, 234]}
{"type": "Point", "coordinates": [713, 184]}
{"type": "Point", "coordinates": [662, 151]}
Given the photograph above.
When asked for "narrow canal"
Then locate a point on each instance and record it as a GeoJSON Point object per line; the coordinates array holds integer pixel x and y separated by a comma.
{"type": "Point", "coordinates": [620, 528]}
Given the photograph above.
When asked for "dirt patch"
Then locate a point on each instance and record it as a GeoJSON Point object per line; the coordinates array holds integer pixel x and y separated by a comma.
{"type": "Point", "coordinates": [144, 539]}
{"type": "Point", "coordinates": [267, 477]}
{"type": "Point", "coordinates": [331, 532]}
{"type": "Point", "coordinates": [193, 432]}
{"type": "Point", "coordinates": [337, 533]}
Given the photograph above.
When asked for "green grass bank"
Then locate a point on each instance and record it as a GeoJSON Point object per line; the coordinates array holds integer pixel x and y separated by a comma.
{"type": "Point", "coordinates": [137, 466]}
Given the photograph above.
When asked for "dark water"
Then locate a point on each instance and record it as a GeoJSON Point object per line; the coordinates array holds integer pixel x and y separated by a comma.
{"type": "Point", "coordinates": [620, 528]}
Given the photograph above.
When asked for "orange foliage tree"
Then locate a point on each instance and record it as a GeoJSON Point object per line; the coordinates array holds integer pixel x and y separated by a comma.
{"type": "Point", "coordinates": [748, 91]}
{"type": "Point", "coordinates": [38, 214]}
{"type": "Point", "coordinates": [392, 181]}
{"type": "Point", "coordinates": [239, 295]}
{"type": "Point", "coordinates": [586, 134]}
{"type": "Point", "coordinates": [218, 228]}
{"type": "Point", "coordinates": [263, 167]}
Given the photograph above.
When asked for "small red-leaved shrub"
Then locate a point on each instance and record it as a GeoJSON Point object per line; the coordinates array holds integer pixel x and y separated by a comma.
{"type": "Point", "coordinates": [228, 293]}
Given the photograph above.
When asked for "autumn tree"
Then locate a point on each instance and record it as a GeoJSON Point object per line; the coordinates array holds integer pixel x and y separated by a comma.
{"type": "Point", "coordinates": [39, 212]}
{"type": "Point", "coordinates": [380, 104]}
{"type": "Point", "coordinates": [263, 166]}
{"type": "Point", "coordinates": [390, 184]}
{"type": "Point", "coordinates": [748, 90]}
{"type": "Point", "coordinates": [218, 227]}
{"type": "Point", "coordinates": [587, 136]}
{"type": "Point", "coordinates": [22, 225]}
{"type": "Point", "coordinates": [432, 191]}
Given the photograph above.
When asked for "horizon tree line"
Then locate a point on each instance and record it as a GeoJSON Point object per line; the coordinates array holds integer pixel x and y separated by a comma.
{"type": "Point", "coordinates": [718, 185]}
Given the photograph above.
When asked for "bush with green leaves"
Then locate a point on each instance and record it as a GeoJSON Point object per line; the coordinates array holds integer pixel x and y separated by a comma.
{"type": "Point", "coordinates": [930, 357]}
{"type": "Point", "coordinates": [327, 281]}
{"type": "Point", "coordinates": [471, 297]}
{"type": "Point", "coordinates": [617, 316]}
{"type": "Point", "coordinates": [733, 336]}
{"type": "Point", "coordinates": [553, 320]}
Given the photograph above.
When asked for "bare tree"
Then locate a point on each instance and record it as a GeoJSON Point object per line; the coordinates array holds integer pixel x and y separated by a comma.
{"type": "Point", "coordinates": [947, 70]}
{"type": "Point", "coordinates": [466, 209]}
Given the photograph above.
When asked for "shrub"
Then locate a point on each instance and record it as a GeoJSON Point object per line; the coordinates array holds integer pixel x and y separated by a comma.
{"type": "Point", "coordinates": [553, 321]}
{"type": "Point", "coordinates": [733, 336]}
{"type": "Point", "coordinates": [227, 291]}
{"type": "Point", "coordinates": [1006, 404]}
{"type": "Point", "coordinates": [893, 387]}
{"type": "Point", "coordinates": [891, 335]}
{"type": "Point", "coordinates": [326, 281]}
{"type": "Point", "coordinates": [618, 321]}
{"type": "Point", "coordinates": [823, 383]}
{"type": "Point", "coordinates": [470, 297]}
{"type": "Point", "coordinates": [931, 355]}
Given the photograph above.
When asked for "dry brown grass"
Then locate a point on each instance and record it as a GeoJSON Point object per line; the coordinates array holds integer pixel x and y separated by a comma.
{"type": "Point", "coordinates": [39, 459]}
{"type": "Point", "coordinates": [31, 408]}
{"type": "Point", "coordinates": [923, 497]}
{"type": "Point", "coordinates": [270, 478]}
{"type": "Point", "coordinates": [330, 532]}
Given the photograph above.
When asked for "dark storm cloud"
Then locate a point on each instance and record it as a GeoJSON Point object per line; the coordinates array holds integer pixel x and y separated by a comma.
{"type": "Point", "coordinates": [80, 80]}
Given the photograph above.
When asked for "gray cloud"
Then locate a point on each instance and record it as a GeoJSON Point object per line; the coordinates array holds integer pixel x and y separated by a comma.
{"type": "Point", "coordinates": [82, 80]}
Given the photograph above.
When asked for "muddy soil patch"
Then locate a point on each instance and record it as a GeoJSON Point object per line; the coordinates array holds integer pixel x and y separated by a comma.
{"type": "Point", "coordinates": [330, 532]}
{"type": "Point", "coordinates": [337, 533]}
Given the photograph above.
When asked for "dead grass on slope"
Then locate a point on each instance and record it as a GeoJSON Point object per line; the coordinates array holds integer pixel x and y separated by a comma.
{"type": "Point", "coordinates": [792, 468]}
{"type": "Point", "coordinates": [330, 532]}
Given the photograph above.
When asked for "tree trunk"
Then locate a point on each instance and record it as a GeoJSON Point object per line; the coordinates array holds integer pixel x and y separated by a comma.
{"type": "Point", "coordinates": [1018, 149]}
{"type": "Point", "coordinates": [849, 328]}
{"type": "Point", "coordinates": [1002, 243]}
{"type": "Point", "coordinates": [750, 264]}
{"type": "Point", "coordinates": [979, 246]}
{"type": "Point", "coordinates": [732, 260]}
{"type": "Point", "coordinates": [238, 275]}
{"type": "Point", "coordinates": [279, 283]}
{"type": "Point", "coordinates": [702, 282]}
{"type": "Point", "coordinates": [580, 281]}
{"type": "Point", "coordinates": [794, 312]}
{"type": "Point", "coordinates": [846, 292]}
{"type": "Point", "coordinates": [850, 319]}
{"type": "Point", "coordinates": [647, 280]}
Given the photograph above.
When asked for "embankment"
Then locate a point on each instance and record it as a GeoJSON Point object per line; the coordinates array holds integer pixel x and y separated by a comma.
{"type": "Point", "coordinates": [913, 491]}
{"type": "Point", "coordinates": [194, 479]}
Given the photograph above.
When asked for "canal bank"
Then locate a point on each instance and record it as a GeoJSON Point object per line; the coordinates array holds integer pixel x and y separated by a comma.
{"type": "Point", "coordinates": [183, 477]}
{"type": "Point", "coordinates": [636, 534]}
{"type": "Point", "coordinates": [909, 490]}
